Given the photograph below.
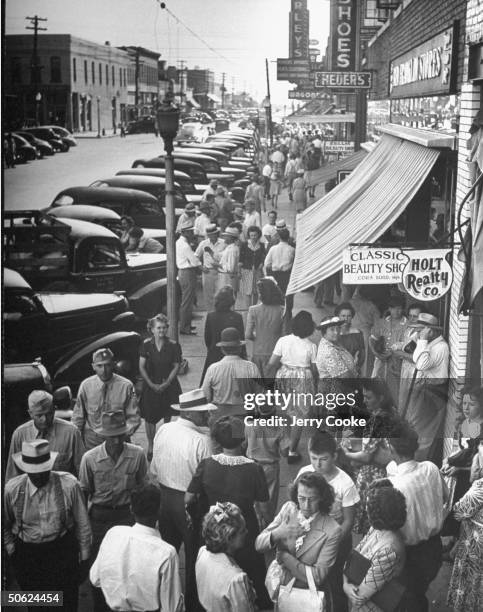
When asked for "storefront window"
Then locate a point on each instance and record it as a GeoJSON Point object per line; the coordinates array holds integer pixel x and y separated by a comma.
{"type": "Point", "coordinates": [432, 113]}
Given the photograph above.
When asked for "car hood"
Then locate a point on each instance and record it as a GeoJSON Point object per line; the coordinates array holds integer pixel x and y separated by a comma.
{"type": "Point", "coordinates": [138, 260]}
{"type": "Point", "coordinates": [196, 199]}
{"type": "Point", "coordinates": [58, 303]}
{"type": "Point", "coordinates": [157, 234]}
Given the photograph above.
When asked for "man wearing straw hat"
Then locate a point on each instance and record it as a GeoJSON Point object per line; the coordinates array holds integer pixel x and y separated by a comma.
{"type": "Point", "coordinates": [229, 273]}
{"type": "Point", "coordinates": [46, 527]}
{"type": "Point", "coordinates": [188, 264]}
{"type": "Point", "coordinates": [64, 437]}
{"type": "Point", "coordinates": [426, 406]}
{"type": "Point", "coordinates": [209, 252]}
{"type": "Point", "coordinates": [179, 446]}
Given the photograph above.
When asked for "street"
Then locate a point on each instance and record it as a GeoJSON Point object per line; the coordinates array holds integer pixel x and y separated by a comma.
{"type": "Point", "coordinates": [35, 184]}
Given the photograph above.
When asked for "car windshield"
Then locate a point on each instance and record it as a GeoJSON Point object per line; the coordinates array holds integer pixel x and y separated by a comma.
{"type": "Point", "coordinates": [103, 256]}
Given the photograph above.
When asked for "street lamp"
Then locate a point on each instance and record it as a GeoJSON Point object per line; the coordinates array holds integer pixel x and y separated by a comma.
{"type": "Point", "coordinates": [168, 120]}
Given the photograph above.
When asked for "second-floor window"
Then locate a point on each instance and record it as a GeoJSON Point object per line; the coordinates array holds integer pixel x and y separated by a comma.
{"type": "Point", "coordinates": [93, 70]}
{"type": "Point", "coordinates": [100, 74]}
{"type": "Point", "coordinates": [85, 72]}
{"type": "Point", "coordinates": [107, 74]}
{"type": "Point", "coordinates": [113, 73]}
{"type": "Point", "coordinates": [55, 75]}
{"type": "Point", "coordinates": [74, 69]}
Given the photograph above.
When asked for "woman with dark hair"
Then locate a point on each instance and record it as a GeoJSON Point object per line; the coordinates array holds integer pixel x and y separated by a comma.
{"type": "Point", "coordinates": [264, 322]}
{"type": "Point", "coordinates": [305, 537]}
{"type": "Point", "coordinates": [159, 361]}
{"type": "Point", "coordinates": [350, 337]}
{"type": "Point", "coordinates": [231, 477]}
{"type": "Point", "coordinates": [293, 360]}
{"type": "Point", "coordinates": [385, 334]}
{"type": "Point", "coordinates": [127, 224]}
{"type": "Point", "coordinates": [222, 317]}
{"type": "Point", "coordinates": [222, 585]}
{"type": "Point", "coordinates": [382, 546]}
{"type": "Point", "coordinates": [371, 460]}
{"type": "Point", "coordinates": [252, 256]}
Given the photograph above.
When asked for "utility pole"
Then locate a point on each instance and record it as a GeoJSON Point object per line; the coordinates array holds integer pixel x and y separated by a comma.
{"type": "Point", "coordinates": [35, 65]}
{"type": "Point", "coordinates": [182, 85]}
{"type": "Point", "coordinates": [361, 95]}
{"type": "Point", "coordinates": [223, 90]}
{"type": "Point", "coordinates": [136, 83]}
{"type": "Point", "coordinates": [269, 105]}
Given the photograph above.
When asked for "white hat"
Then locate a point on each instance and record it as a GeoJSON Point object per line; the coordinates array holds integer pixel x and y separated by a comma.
{"type": "Point", "coordinates": [36, 457]}
{"type": "Point", "coordinates": [231, 231]}
{"type": "Point", "coordinates": [194, 401]}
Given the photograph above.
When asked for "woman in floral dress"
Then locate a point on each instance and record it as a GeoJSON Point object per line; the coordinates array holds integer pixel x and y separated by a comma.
{"type": "Point", "coordinates": [465, 593]}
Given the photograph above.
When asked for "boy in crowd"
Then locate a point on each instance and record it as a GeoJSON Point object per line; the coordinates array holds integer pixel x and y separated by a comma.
{"type": "Point", "coordinates": [323, 455]}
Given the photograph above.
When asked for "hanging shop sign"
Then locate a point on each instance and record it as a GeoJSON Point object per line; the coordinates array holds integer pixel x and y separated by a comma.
{"type": "Point", "coordinates": [427, 69]}
{"type": "Point", "coordinates": [307, 94]}
{"type": "Point", "coordinates": [294, 70]}
{"type": "Point", "coordinates": [428, 274]}
{"type": "Point", "coordinates": [343, 34]}
{"type": "Point", "coordinates": [352, 80]}
{"type": "Point", "coordinates": [299, 30]}
{"type": "Point", "coordinates": [371, 265]}
{"type": "Point", "coordinates": [337, 146]}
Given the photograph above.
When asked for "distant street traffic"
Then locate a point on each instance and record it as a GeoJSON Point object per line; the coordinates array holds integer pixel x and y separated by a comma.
{"type": "Point", "coordinates": [35, 184]}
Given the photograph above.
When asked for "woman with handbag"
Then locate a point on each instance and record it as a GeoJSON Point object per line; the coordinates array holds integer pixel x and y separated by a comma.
{"type": "Point", "coordinates": [370, 572]}
{"type": "Point", "coordinates": [306, 540]}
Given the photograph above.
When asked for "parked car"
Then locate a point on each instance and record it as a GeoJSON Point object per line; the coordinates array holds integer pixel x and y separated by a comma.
{"type": "Point", "coordinates": [65, 135]}
{"type": "Point", "coordinates": [191, 132]}
{"type": "Point", "coordinates": [156, 186]}
{"type": "Point", "coordinates": [24, 151]}
{"type": "Point", "coordinates": [236, 165]}
{"type": "Point", "coordinates": [42, 146]}
{"type": "Point", "coordinates": [193, 170]}
{"type": "Point", "coordinates": [192, 192]}
{"type": "Point", "coordinates": [77, 256]}
{"type": "Point", "coordinates": [222, 124]}
{"type": "Point", "coordinates": [50, 136]}
{"type": "Point", "coordinates": [142, 125]}
{"type": "Point", "coordinates": [212, 168]}
{"type": "Point", "coordinates": [101, 216]}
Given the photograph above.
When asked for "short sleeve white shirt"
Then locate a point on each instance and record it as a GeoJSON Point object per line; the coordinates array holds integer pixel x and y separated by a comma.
{"type": "Point", "coordinates": [295, 352]}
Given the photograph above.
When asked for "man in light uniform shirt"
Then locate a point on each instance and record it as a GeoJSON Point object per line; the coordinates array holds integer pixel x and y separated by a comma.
{"type": "Point", "coordinates": [202, 221]}
{"type": "Point", "coordinates": [269, 230]}
{"type": "Point", "coordinates": [426, 495]}
{"type": "Point", "coordinates": [209, 252]}
{"type": "Point", "coordinates": [188, 264]}
{"type": "Point", "coordinates": [188, 216]}
{"type": "Point", "coordinates": [106, 391]}
{"type": "Point", "coordinates": [229, 273]}
{"type": "Point", "coordinates": [252, 217]}
{"type": "Point", "coordinates": [278, 263]}
{"type": "Point", "coordinates": [64, 437]}
{"type": "Point", "coordinates": [179, 446]}
{"type": "Point", "coordinates": [135, 568]}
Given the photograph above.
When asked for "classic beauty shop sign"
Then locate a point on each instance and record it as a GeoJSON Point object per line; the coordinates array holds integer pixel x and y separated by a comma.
{"type": "Point", "coordinates": [425, 274]}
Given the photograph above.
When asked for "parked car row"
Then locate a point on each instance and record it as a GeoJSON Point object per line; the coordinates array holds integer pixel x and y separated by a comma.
{"type": "Point", "coordinates": [33, 143]}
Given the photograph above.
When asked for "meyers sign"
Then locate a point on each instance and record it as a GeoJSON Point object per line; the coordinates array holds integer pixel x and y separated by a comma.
{"type": "Point", "coordinates": [343, 34]}
{"type": "Point", "coordinates": [425, 70]}
{"type": "Point", "coordinates": [299, 30]}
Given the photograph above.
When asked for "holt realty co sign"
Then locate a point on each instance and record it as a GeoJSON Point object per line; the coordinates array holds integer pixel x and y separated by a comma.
{"type": "Point", "coordinates": [425, 274]}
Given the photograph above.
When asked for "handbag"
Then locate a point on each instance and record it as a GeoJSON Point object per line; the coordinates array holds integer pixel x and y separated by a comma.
{"type": "Point", "coordinates": [292, 599]}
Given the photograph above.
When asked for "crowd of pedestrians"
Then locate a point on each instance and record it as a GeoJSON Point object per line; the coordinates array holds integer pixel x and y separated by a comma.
{"type": "Point", "coordinates": [361, 524]}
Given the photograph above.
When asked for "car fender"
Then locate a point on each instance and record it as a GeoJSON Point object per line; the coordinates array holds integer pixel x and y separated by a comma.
{"type": "Point", "coordinates": [149, 300]}
{"type": "Point", "coordinates": [74, 367]}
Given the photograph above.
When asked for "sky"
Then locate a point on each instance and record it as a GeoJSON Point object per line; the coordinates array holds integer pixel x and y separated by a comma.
{"type": "Point", "coordinates": [242, 33]}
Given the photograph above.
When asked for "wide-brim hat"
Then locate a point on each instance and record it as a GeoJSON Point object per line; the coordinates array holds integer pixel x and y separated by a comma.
{"type": "Point", "coordinates": [212, 229]}
{"type": "Point", "coordinates": [112, 424]}
{"type": "Point", "coordinates": [230, 336]}
{"type": "Point", "coordinates": [193, 401]}
{"type": "Point", "coordinates": [330, 322]}
{"type": "Point", "coordinates": [231, 232]}
{"type": "Point", "coordinates": [35, 457]}
{"type": "Point", "coordinates": [426, 320]}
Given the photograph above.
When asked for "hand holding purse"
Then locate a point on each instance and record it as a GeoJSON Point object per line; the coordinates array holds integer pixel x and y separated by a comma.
{"type": "Point", "coordinates": [292, 599]}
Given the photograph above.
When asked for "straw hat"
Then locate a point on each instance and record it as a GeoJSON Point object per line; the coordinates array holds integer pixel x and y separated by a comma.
{"type": "Point", "coordinates": [194, 401]}
{"type": "Point", "coordinates": [330, 322]}
{"type": "Point", "coordinates": [231, 232]}
{"type": "Point", "coordinates": [36, 457]}
{"type": "Point", "coordinates": [426, 320]}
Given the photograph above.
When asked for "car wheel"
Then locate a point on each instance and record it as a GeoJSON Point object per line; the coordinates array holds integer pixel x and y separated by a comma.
{"type": "Point", "coordinates": [61, 286]}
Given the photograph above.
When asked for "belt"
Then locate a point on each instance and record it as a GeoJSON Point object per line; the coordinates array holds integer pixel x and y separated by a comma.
{"type": "Point", "coordinates": [111, 508]}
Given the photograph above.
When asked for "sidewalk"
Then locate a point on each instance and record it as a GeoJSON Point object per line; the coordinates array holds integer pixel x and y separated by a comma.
{"type": "Point", "coordinates": [94, 134]}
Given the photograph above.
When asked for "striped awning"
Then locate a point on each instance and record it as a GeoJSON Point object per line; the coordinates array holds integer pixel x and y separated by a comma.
{"type": "Point", "coordinates": [328, 172]}
{"type": "Point", "coordinates": [360, 209]}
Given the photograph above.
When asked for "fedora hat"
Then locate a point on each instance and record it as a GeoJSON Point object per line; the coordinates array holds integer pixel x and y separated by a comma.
{"type": "Point", "coordinates": [426, 320]}
{"type": "Point", "coordinates": [330, 322]}
{"type": "Point", "coordinates": [212, 229]}
{"type": "Point", "coordinates": [103, 355]}
{"type": "Point", "coordinates": [40, 399]}
{"type": "Point", "coordinates": [193, 401]}
{"type": "Point", "coordinates": [112, 424]}
{"type": "Point", "coordinates": [281, 224]}
{"type": "Point", "coordinates": [230, 336]}
{"type": "Point", "coordinates": [232, 232]}
{"type": "Point", "coordinates": [36, 457]}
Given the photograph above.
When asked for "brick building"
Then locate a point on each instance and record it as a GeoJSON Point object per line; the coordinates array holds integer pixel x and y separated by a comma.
{"type": "Point", "coordinates": [142, 81]}
{"type": "Point", "coordinates": [81, 85]}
